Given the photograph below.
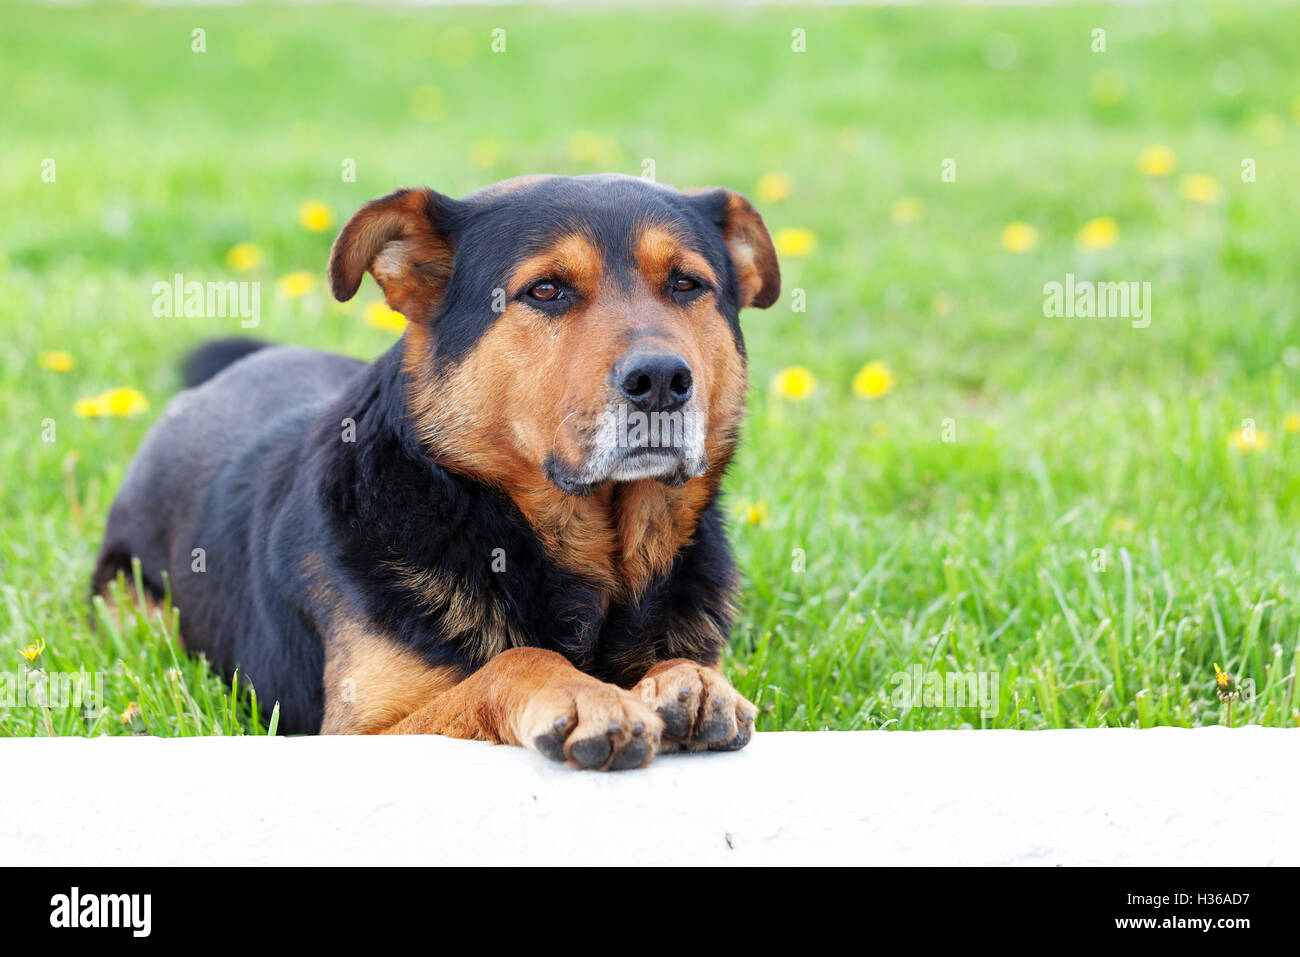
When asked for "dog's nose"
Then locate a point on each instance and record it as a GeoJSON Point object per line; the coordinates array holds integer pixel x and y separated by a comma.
{"type": "Point", "coordinates": [654, 381]}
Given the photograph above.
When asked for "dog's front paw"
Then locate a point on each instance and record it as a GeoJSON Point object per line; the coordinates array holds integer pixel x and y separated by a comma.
{"type": "Point", "coordinates": [597, 726]}
{"type": "Point", "coordinates": [700, 709]}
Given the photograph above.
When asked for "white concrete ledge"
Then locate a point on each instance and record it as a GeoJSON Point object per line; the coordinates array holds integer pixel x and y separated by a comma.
{"type": "Point", "coordinates": [1164, 796]}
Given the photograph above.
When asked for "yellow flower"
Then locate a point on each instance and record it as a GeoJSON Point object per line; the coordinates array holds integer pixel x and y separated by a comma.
{"type": "Point", "coordinates": [131, 714]}
{"type": "Point", "coordinates": [588, 147]}
{"type": "Point", "coordinates": [381, 317]}
{"type": "Point", "coordinates": [1223, 681]}
{"type": "Point", "coordinates": [55, 360]}
{"type": "Point", "coordinates": [484, 153]}
{"type": "Point", "coordinates": [1019, 237]}
{"type": "Point", "coordinates": [243, 257]}
{"type": "Point", "coordinates": [1269, 129]}
{"type": "Point", "coordinates": [873, 380]}
{"type": "Point", "coordinates": [795, 242]}
{"type": "Point", "coordinates": [1156, 161]}
{"type": "Point", "coordinates": [1198, 188]}
{"type": "Point", "coordinates": [295, 284]}
{"type": "Point", "coordinates": [32, 652]}
{"type": "Point", "coordinates": [121, 402]}
{"type": "Point", "coordinates": [315, 215]}
{"type": "Point", "coordinates": [756, 514]}
{"type": "Point", "coordinates": [1291, 423]}
{"type": "Point", "coordinates": [905, 210]}
{"type": "Point", "coordinates": [1099, 233]}
{"type": "Point", "coordinates": [1106, 88]}
{"type": "Point", "coordinates": [1248, 440]}
{"type": "Point", "coordinates": [795, 383]}
{"type": "Point", "coordinates": [427, 103]}
{"type": "Point", "coordinates": [772, 187]}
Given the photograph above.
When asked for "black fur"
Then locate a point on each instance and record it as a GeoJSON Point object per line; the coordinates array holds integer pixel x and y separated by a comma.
{"type": "Point", "coordinates": [211, 357]}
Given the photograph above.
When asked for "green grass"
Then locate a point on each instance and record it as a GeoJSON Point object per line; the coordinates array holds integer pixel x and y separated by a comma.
{"type": "Point", "coordinates": [1080, 442]}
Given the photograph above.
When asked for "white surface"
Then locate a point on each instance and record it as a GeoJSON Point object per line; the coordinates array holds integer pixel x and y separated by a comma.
{"type": "Point", "coordinates": [1164, 796]}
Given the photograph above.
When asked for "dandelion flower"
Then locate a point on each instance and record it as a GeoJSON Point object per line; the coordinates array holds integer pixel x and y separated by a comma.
{"type": "Point", "coordinates": [1223, 683]}
{"type": "Point", "coordinates": [772, 187]}
{"type": "Point", "coordinates": [1099, 233]}
{"type": "Point", "coordinates": [1244, 441]}
{"type": "Point", "coordinates": [1019, 237]}
{"type": "Point", "coordinates": [795, 242]}
{"type": "Point", "coordinates": [905, 210]}
{"type": "Point", "coordinates": [243, 257]}
{"type": "Point", "coordinates": [873, 380]}
{"type": "Point", "coordinates": [295, 285]}
{"type": "Point", "coordinates": [1198, 188]}
{"type": "Point", "coordinates": [1156, 161]}
{"type": "Point", "coordinates": [121, 403]}
{"type": "Point", "coordinates": [756, 514]}
{"type": "Point", "coordinates": [795, 383]}
{"type": "Point", "coordinates": [381, 317]}
{"type": "Point", "coordinates": [32, 652]}
{"type": "Point", "coordinates": [1291, 423]}
{"type": "Point", "coordinates": [315, 215]}
{"type": "Point", "coordinates": [55, 360]}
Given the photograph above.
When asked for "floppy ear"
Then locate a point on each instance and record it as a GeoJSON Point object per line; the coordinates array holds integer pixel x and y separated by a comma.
{"type": "Point", "coordinates": [399, 240]}
{"type": "Point", "coordinates": [757, 271]}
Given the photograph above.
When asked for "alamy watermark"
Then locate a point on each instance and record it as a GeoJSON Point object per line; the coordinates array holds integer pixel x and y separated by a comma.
{"type": "Point", "coordinates": [647, 430]}
{"type": "Point", "coordinates": [918, 688]}
{"type": "Point", "coordinates": [56, 690]}
{"type": "Point", "coordinates": [208, 300]}
{"type": "Point", "coordinates": [1085, 299]}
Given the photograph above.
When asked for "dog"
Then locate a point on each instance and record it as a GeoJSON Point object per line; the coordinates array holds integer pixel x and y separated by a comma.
{"type": "Point", "coordinates": [477, 535]}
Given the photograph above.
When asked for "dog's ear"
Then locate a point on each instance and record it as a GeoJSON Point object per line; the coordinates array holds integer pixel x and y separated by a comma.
{"type": "Point", "coordinates": [758, 273]}
{"type": "Point", "coordinates": [400, 239]}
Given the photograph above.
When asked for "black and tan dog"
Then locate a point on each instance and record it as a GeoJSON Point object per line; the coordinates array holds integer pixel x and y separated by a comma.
{"type": "Point", "coordinates": [465, 537]}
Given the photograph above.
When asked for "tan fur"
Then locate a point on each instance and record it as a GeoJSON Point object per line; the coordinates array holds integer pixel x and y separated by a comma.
{"type": "Point", "coordinates": [520, 694]}
{"type": "Point", "coordinates": [659, 251]}
{"type": "Point", "coordinates": [372, 683]}
{"type": "Point", "coordinates": [397, 240]}
{"type": "Point", "coordinates": [758, 272]}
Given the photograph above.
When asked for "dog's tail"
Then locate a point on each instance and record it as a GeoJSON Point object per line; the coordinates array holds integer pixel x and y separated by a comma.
{"type": "Point", "coordinates": [211, 357]}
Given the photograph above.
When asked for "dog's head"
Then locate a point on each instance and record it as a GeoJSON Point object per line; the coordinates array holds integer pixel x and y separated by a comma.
{"type": "Point", "coordinates": [569, 330]}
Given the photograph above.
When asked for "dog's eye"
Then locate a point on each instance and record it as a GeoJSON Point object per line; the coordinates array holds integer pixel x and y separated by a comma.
{"type": "Point", "coordinates": [683, 284]}
{"type": "Point", "coordinates": [544, 291]}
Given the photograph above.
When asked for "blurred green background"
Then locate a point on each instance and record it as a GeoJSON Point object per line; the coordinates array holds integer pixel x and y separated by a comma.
{"type": "Point", "coordinates": [1116, 511]}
